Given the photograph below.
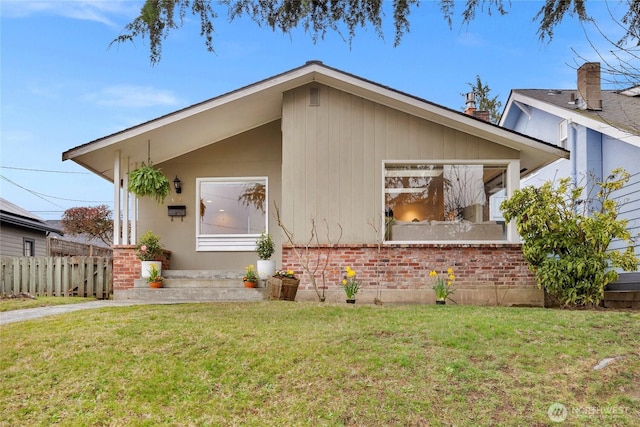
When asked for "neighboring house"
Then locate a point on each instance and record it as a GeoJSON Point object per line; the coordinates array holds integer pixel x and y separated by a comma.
{"type": "Point", "coordinates": [322, 144]}
{"type": "Point", "coordinates": [601, 129]}
{"type": "Point", "coordinates": [23, 233]}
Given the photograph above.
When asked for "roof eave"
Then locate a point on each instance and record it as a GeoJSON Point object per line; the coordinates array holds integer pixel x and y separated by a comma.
{"type": "Point", "coordinates": [574, 116]}
{"type": "Point", "coordinates": [26, 223]}
{"type": "Point", "coordinates": [272, 89]}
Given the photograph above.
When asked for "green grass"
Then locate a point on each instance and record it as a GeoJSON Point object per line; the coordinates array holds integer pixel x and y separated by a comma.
{"type": "Point", "coordinates": [308, 364]}
{"type": "Point", "coordinates": [7, 304]}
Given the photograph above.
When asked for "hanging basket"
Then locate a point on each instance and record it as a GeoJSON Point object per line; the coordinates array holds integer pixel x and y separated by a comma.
{"type": "Point", "coordinates": [147, 181]}
{"type": "Point", "coordinates": [282, 288]}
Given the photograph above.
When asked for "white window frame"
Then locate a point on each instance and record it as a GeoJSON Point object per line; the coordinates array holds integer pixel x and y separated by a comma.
{"type": "Point", "coordinates": [512, 184]}
{"type": "Point", "coordinates": [563, 133]}
{"type": "Point", "coordinates": [229, 242]}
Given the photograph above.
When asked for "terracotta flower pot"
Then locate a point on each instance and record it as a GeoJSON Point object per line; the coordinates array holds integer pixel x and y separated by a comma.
{"type": "Point", "coordinates": [250, 284]}
{"type": "Point", "coordinates": [155, 284]}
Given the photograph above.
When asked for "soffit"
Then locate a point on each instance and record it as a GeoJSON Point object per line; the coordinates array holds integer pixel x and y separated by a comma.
{"type": "Point", "coordinates": [219, 118]}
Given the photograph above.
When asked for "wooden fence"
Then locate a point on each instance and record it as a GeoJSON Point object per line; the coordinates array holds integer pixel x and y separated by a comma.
{"type": "Point", "coordinates": [57, 276]}
{"type": "Point", "coordinates": [60, 247]}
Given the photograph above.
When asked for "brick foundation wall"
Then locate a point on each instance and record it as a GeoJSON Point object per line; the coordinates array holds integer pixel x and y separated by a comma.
{"type": "Point", "coordinates": [486, 274]}
{"type": "Point", "coordinates": [127, 266]}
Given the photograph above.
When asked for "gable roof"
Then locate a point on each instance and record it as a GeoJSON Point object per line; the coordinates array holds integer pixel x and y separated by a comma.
{"type": "Point", "coordinates": [15, 215]}
{"type": "Point", "coordinates": [619, 117]}
{"type": "Point", "coordinates": [259, 103]}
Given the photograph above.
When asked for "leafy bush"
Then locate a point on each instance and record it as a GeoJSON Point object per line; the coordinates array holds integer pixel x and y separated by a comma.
{"type": "Point", "coordinates": [265, 246]}
{"type": "Point", "coordinates": [149, 247]}
{"type": "Point", "coordinates": [566, 234]}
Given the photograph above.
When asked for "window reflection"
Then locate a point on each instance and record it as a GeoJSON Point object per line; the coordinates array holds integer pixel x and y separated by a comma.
{"type": "Point", "coordinates": [433, 202]}
{"type": "Point", "coordinates": [232, 207]}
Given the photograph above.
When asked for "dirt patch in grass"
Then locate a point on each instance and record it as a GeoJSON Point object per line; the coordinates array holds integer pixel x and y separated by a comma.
{"type": "Point", "coordinates": [22, 301]}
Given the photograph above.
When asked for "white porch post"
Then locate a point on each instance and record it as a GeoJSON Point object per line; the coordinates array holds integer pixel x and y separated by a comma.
{"type": "Point", "coordinates": [513, 183]}
{"type": "Point", "coordinates": [125, 206]}
{"type": "Point", "coordinates": [124, 209]}
{"type": "Point", "coordinates": [117, 228]}
{"type": "Point", "coordinates": [134, 215]}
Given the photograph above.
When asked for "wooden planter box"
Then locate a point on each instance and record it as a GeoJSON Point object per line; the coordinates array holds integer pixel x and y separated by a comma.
{"type": "Point", "coordinates": [282, 288]}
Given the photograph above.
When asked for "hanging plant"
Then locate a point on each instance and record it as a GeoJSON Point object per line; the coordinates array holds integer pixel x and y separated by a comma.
{"type": "Point", "coordinates": [149, 181]}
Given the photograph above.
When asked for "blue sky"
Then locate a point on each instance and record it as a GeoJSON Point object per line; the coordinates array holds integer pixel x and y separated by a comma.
{"type": "Point", "coordinates": [62, 86]}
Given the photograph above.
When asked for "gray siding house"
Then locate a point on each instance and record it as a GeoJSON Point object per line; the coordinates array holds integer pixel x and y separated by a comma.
{"type": "Point", "coordinates": [21, 232]}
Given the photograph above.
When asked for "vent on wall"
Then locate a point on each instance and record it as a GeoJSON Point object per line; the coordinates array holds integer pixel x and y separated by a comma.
{"type": "Point", "coordinates": [314, 96]}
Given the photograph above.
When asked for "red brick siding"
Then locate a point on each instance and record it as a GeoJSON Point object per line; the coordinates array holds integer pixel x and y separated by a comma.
{"type": "Point", "coordinates": [127, 267]}
{"type": "Point", "coordinates": [408, 266]}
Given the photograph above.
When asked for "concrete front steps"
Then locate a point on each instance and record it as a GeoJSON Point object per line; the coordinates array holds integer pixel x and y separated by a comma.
{"type": "Point", "coordinates": [625, 293]}
{"type": "Point", "coordinates": [195, 286]}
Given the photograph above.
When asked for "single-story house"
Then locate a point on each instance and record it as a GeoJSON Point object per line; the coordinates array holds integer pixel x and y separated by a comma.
{"type": "Point", "coordinates": [393, 186]}
{"type": "Point", "coordinates": [601, 129]}
{"type": "Point", "coordinates": [23, 233]}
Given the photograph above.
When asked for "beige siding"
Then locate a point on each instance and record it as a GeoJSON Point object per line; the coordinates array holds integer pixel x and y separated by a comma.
{"type": "Point", "coordinates": [333, 154]}
{"type": "Point", "coordinates": [256, 152]}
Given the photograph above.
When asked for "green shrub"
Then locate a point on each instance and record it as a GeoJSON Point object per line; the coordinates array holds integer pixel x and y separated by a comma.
{"type": "Point", "coordinates": [265, 246]}
{"type": "Point", "coordinates": [566, 233]}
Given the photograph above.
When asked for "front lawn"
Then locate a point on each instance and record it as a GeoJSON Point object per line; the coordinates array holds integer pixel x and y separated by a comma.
{"type": "Point", "coordinates": [309, 364]}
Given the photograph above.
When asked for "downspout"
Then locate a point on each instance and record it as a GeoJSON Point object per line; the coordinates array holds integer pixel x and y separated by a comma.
{"type": "Point", "coordinates": [572, 128]}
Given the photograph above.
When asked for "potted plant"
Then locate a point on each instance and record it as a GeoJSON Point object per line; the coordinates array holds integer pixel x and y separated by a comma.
{"type": "Point", "coordinates": [148, 251]}
{"type": "Point", "coordinates": [149, 181]}
{"type": "Point", "coordinates": [155, 279]}
{"type": "Point", "coordinates": [443, 288]}
{"type": "Point", "coordinates": [283, 285]}
{"type": "Point", "coordinates": [250, 278]}
{"type": "Point", "coordinates": [350, 285]}
{"type": "Point", "coordinates": [265, 249]}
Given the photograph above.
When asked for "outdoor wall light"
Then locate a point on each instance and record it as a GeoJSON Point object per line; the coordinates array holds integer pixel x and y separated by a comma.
{"type": "Point", "coordinates": [177, 184]}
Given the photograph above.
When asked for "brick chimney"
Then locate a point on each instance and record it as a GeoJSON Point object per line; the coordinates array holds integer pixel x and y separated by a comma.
{"type": "Point", "coordinates": [482, 115]}
{"type": "Point", "coordinates": [589, 94]}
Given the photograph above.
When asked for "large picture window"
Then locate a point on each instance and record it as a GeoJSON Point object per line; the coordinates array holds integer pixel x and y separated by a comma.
{"type": "Point", "coordinates": [232, 213]}
{"type": "Point", "coordinates": [442, 202]}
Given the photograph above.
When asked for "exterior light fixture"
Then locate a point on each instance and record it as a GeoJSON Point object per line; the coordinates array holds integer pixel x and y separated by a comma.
{"type": "Point", "coordinates": [177, 184]}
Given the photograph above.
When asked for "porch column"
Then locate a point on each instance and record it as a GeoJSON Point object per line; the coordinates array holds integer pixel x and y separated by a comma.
{"type": "Point", "coordinates": [513, 184]}
{"type": "Point", "coordinates": [126, 266]}
{"type": "Point", "coordinates": [117, 228]}
{"type": "Point", "coordinates": [126, 239]}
